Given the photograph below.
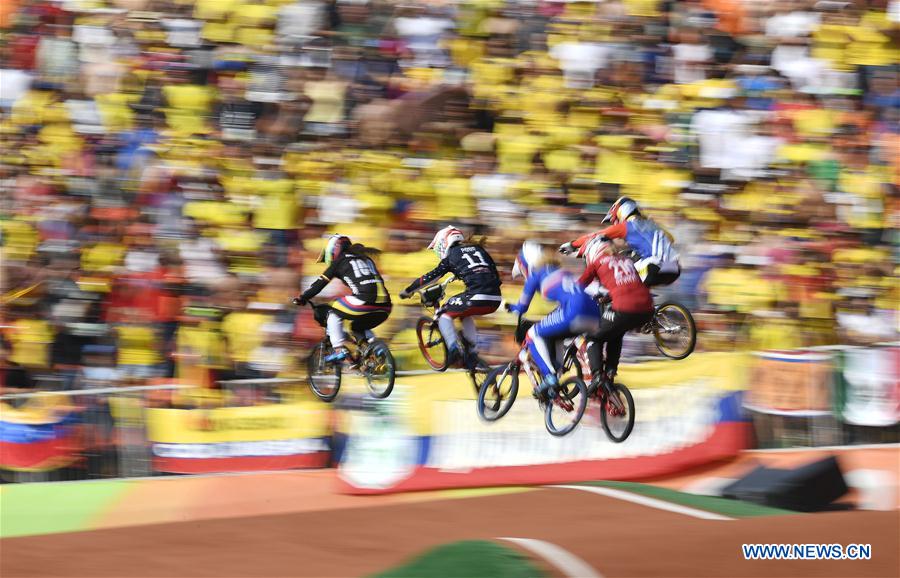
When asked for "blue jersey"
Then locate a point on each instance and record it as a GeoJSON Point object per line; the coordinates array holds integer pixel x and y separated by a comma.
{"type": "Point", "coordinates": [650, 241]}
{"type": "Point", "coordinates": [556, 285]}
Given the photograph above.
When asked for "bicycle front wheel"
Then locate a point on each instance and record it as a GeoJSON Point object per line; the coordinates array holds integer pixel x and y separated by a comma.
{"type": "Point", "coordinates": [324, 378]}
{"type": "Point", "coordinates": [617, 413]}
{"type": "Point", "coordinates": [478, 373]}
{"type": "Point", "coordinates": [379, 369]}
{"type": "Point", "coordinates": [498, 392]}
{"type": "Point", "coordinates": [565, 410]}
{"type": "Point", "coordinates": [431, 343]}
{"type": "Point", "coordinates": [674, 330]}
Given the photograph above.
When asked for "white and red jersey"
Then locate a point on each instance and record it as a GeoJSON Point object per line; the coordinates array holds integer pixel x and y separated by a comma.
{"type": "Point", "coordinates": [621, 279]}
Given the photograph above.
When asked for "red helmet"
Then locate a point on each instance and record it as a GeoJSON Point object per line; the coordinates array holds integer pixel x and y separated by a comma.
{"type": "Point", "coordinates": [623, 208]}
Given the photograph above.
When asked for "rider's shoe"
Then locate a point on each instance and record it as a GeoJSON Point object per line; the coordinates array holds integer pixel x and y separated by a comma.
{"type": "Point", "coordinates": [470, 359]}
{"type": "Point", "coordinates": [338, 356]}
{"type": "Point", "coordinates": [548, 388]}
{"type": "Point", "coordinates": [454, 356]}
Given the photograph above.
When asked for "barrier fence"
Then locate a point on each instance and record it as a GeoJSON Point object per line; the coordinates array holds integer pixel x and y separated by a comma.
{"type": "Point", "coordinates": [826, 396]}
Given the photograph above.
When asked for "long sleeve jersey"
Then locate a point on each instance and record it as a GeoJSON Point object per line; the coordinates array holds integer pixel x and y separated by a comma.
{"type": "Point", "coordinates": [648, 239]}
{"type": "Point", "coordinates": [469, 263]}
{"type": "Point", "coordinates": [360, 274]}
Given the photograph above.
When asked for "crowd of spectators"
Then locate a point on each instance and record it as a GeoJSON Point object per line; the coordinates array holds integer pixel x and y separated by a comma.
{"type": "Point", "coordinates": [168, 168]}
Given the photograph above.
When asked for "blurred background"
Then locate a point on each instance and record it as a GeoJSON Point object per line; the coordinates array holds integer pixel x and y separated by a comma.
{"type": "Point", "coordinates": [168, 169]}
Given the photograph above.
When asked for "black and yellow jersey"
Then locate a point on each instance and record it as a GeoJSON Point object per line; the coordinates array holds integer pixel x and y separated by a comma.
{"type": "Point", "coordinates": [360, 274]}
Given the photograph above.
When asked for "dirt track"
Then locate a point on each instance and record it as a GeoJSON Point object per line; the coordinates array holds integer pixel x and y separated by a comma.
{"type": "Point", "coordinates": [617, 538]}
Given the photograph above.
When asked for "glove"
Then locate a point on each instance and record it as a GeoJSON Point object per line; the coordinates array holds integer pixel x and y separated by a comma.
{"type": "Point", "coordinates": [514, 308]}
{"type": "Point", "coordinates": [405, 294]}
{"type": "Point", "coordinates": [299, 301]}
{"type": "Point", "coordinates": [567, 248]}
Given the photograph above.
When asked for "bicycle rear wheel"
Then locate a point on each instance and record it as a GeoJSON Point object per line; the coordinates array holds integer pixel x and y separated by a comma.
{"type": "Point", "coordinates": [379, 369]}
{"type": "Point", "coordinates": [565, 410]}
{"type": "Point", "coordinates": [617, 414]}
{"type": "Point", "coordinates": [324, 378]}
{"type": "Point", "coordinates": [674, 330]}
{"type": "Point", "coordinates": [498, 392]}
{"type": "Point", "coordinates": [431, 343]}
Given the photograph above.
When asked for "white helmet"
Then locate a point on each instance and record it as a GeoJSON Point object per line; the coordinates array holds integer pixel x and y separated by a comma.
{"type": "Point", "coordinates": [529, 258]}
{"type": "Point", "coordinates": [594, 249]}
{"type": "Point", "coordinates": [444, 239]}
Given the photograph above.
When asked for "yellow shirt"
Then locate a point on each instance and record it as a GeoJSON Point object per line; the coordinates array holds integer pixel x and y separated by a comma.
{"type": "Point", "coordinates": [515, 153]}
{"type": "Point", "coordinates": [775, 334]}
{"type": "Point", "coordinates": [31, 340]}
{"type": "Point", "coordinates": [102, 257]}
{"type": "Point", "coordinates": [243, 332]}
{"type": "Point", "coordinates": [740, 290]}
{"type": "Point", "coordinates": [203, 341]}
{"type": "Point", "coordinates": [277, 209]}
{"type": "Point", "coordinates": [19, 239]}
{"type": "Point", "coordinates": [137, 345]}
{"type": "Point", "coordinates": [217, 212]}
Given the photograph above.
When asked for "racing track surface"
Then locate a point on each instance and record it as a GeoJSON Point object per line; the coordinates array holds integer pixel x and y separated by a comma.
{"type": "Point", "coordinates": [617, 538]}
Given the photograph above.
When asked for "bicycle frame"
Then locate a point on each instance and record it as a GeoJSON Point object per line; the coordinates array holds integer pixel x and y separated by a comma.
{"type": "Point", "coordinates": [363, 346]}
{"type": "Point", "coordinates": [571, 354]}
{"type": "Point", "coordinates": [435, 306]}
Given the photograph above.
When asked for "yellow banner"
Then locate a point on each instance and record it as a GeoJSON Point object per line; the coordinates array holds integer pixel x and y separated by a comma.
{"type": "Point", "coordinates": [725, 371]}
{"type": "Point", "coordinates": [239, 424]}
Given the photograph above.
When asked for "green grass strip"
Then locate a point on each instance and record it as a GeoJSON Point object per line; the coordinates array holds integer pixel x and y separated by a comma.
{"type": "Point", "coordinates": [723, 506]}
{"type": "Point", "coordinates": [48, 508]}
{"type": "Point", "coordinates": [467, 559]}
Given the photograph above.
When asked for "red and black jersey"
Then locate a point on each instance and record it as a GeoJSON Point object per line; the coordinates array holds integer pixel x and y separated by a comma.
{"type": "Point", "coordinates": [621, 279]}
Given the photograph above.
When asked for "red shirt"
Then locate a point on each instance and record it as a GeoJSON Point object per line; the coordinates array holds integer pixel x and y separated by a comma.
{"type": "Point", "coordinates": [621, 279]}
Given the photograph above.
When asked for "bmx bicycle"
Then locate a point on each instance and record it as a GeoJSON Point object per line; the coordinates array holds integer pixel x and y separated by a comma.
{"type": "Point", "coordinates": [673, 329]}
{"type": "Point", "coordinates": [617, 408]}
{"type": "Point", "coordinates": [563, 408]}
{"type": "Point", "coordinates": [431, 342]}
{"type": "Point", "coordinates": [671, 325]}
{"type": "Point", "coordinates": [372, 360]}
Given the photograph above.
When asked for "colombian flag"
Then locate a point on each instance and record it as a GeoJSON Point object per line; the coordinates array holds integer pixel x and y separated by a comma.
{"type": "Point", "coordinates": [33, 441]}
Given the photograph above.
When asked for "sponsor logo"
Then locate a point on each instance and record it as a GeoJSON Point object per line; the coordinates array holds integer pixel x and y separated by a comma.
{"type": "Point", "coordinates": [241, 449]}
{"type": "Point", "coordinates": [209, 421]}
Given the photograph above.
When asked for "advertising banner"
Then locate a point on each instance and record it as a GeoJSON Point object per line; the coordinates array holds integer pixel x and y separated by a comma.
{"type": "Point", "coordinates": [229, 439]}
{"type": "Point", "coordinates": [41, 436]}
{"type": "Point", "coordinates": [869, 386]}
{"type": "Point", "coordinates": [687, 414]}
{"type": "Point", "coordinates": [794, 383]}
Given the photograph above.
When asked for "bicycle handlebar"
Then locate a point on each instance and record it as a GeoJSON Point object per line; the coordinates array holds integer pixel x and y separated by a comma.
{"type": "Point", "coordinates": [443, 285]}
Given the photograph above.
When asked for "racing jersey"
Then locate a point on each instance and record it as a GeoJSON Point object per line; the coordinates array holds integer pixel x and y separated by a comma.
{"type": "Point", "coordinates": [555, 285]}
{"type": "Point", "coordinates": [651, 242]}
{"type": "Point", "coordinates": [473, 266]}
{"type": "Point", "coordinates": [619, 276]}
{"type": "Point", "coordinates": [359, 274]}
